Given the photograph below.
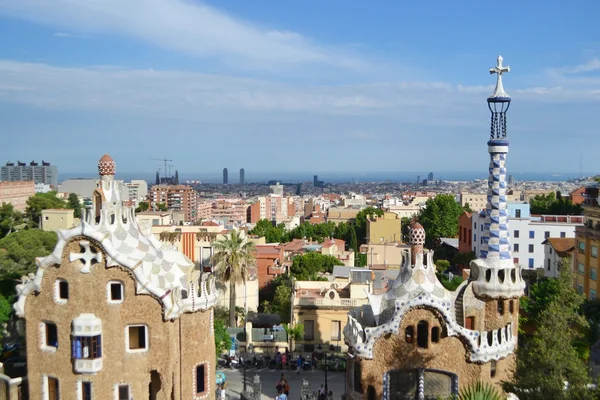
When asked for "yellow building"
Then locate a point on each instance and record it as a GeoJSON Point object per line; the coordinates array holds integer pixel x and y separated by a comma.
{"type": "Point", "coordinates": [54, 219]}
{"type": "Point", "coordinates": [384, 229]}
{"type": "Point", "coordinates": [588, 240]}
{"type": "Point", "coordinates": [322, 307]}
{"type": "Point", "coordinates": [337, 215]}
{"type": "Point", "coordinates": [383, 255]}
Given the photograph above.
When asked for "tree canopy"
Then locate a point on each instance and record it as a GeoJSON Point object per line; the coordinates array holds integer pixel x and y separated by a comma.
{"type": "Point", "coordinates": [440, 218]}
{"type": "Point", "coordinates": [73, 202]}
{"type": "Point", "coordinates": [142, 206]}
{"type": "Point", "coordinates": [550, 358]}
{"type": "Point", "coordinates": [9, 219]}
{"type": "Point", "coordinates": [306, 267]}
{"type": "Point", "coordinates": [232, 257]}
{"type": "Point", "coordinates": [39, 202]}
{"type": "Point", "coordinates": [18, 252]}
{"type": "Point", "coordinates": [553, 204]}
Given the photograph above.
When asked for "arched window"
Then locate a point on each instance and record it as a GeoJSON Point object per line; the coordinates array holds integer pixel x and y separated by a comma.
{"type": "Point", "coordinates": [422, 334]}
{"type": "Point", "coordinates": [435, 334]}
{"type": "Point", "coordinates": [409, 334]}
{"type": "Point", "coordinates": [501, 307]}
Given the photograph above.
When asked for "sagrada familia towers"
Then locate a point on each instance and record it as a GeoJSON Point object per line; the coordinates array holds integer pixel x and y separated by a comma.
{"type": "Point", "coordinates": [419, 340]}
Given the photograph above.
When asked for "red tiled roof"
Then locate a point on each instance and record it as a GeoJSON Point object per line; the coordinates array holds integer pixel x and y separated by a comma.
{"type": "Point", "coordinates": [562, 246]}
{"type": "Point", "coordinates": [210, 223]}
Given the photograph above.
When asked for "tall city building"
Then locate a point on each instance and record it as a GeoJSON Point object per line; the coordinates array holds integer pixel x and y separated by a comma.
{"type": "Point", "coordinates": [44, 173]}
{"type": "Point", "coordinates": [430, 177]}
{"type": "Point", "coordinates": [400, 341]}
{"type": "Point", "coordinates": [225, 176]}
{"type": "Point", "coordinates": [181, 198]}
{"type": "Point", "coordinates": [242, 176]}
{"type": "Point", "coordinates": [315, 180]}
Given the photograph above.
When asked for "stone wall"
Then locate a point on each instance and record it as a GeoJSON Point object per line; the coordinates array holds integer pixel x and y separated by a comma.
{"type": "Point", "coordinates": [88, 294]}
{"type": "Point", "coordinates": [392, 352]}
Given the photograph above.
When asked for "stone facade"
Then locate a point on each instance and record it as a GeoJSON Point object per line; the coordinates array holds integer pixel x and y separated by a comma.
{"type": "Point", "coordinates": [419, 340]}
{"type": "Point", "coordinates": [116, 313]}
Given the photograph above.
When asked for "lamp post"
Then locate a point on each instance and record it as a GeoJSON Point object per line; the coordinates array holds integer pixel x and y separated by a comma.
{"type": "Point", "coordinates": [251, 349]}
{"type": "Point", "coordinates": [325, 367]}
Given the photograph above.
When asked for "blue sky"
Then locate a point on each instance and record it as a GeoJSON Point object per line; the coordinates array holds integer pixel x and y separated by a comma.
{"type": "Point", "coordinates": [297, 85]}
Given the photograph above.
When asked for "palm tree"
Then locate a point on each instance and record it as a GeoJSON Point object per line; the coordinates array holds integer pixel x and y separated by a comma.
{"type": "Point", "coordinates": [232, 258]}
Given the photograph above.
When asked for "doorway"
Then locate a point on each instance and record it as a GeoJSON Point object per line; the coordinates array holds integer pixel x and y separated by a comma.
{"type": "Point", "coordinates": [155, 384]}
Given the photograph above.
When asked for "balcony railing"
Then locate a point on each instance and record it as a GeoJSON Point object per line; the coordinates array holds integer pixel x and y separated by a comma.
{"type": "Point", "coordinates": [326, 302]}
{"type": "Point", "coordinates": [88, 366]}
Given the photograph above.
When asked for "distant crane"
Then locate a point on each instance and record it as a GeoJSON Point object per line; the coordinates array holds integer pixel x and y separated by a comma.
{"type": "Point", "coordinates": [165, 160]}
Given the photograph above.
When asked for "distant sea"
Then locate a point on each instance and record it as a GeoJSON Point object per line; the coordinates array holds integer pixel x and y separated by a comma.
{"type": "Point", "coordinates": [337, 177]}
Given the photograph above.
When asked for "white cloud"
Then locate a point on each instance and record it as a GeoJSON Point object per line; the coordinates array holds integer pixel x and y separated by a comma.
{"type": "Point", "coordinates": [191, 95]}
{"type": "Point", "coordinates": [183, 26]}
{"type": "Point", "coordinates": [590, 66]}
{"type": "Point", "coordinates": [65, 35]}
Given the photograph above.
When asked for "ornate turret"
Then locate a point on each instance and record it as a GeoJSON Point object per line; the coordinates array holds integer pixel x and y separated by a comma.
{"type": "Point", "coordinates": [106, 165]}
{"type": "Point", "coordinates": [494, 272]}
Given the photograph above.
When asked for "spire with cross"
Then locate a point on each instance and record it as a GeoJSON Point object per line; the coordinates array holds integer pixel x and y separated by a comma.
{"type": "Point", "coordinates": [498, 102]}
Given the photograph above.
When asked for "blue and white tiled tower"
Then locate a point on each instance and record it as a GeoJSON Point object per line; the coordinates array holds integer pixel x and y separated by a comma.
{"type": "Point", "coordinates": [494, 272]}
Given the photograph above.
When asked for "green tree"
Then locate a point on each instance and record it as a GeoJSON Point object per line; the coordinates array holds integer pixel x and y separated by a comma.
{"type": "Point", "coordinates": [282, 302]}
{"type": "Point", "coordinates": [541, 294]}
{"type": "Point", "coordinates": [405, 227]}
{"type": "Point", "coordinates": [161, 207]}
{"type": "Point", "coordinates": [306, 267]}
{"type": "Point", "coordinates": [9, 219]}
{"type": "Point", "coordinates": [553, 204]}
{"type": "Point", "coordinates": [222, 338]}
{"type": "Point", "coordinates": [360, 260]}
{"type": "Point", "coordinates": [442, 266]}
{"type": "Point", "coordinates": [5, 310]}
{"type": "Point", "coordinates": [353, 240]}
{"type": "Point", "coordinates": [549, 358]}
{"type": "Point", "coordinates": [39, 202]}
{"type": "Point", "coordinates": [440, 218]}
{"type": "Point", "coordinates": [272, 234]}
{"type": "Point", "coordinates": [142, 206]}
{"type": "Point", "coordinates": [73, 202]}
{"type": "Point", "coordinates": [232, 257]}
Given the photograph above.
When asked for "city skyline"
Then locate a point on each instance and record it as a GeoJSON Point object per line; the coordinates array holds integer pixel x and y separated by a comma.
{"type": "Point", "coordinates": [293, 76]}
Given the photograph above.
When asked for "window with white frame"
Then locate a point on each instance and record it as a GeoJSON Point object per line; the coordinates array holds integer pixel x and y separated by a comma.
{"type": "Point", "coordinates": [594, 251]}
{"type": "Point", "coordinates": [200, 378]}
{"type": "Point", "coordinates": [51, 387]}
{"type": "Point", "coordinates": [592, 294]}
{"type": "Point", "coordinates": [581, 268]}
{"type": "Point", "coordinates": [580, 288]}
{"type": "Point", "coordinates": [137, 338]}
{"type": "Point", "coordinates": [84, 390]}
{"type": "Point", "coordinates": [87, 347]}
{"type": "Point", "coordinates": [49, 336]}
{"type": "Point", "coordinates": [122, 391]}
{"type": "Point", "coordinates": [61, 291]}
{"type": "Point", "coordinates": [115, 292]}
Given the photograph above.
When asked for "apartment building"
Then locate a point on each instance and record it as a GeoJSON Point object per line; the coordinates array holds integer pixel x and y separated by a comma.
{"type": "Point", "coordinates": [44, 173]}
{"type": "Point", "coordinates": [230, 211]}
{"type": "Point", "coordinates": [555, 251]}
{"type": "Point", "coordinates": [274, 208]}
{"type": "Point", "coordinates": [338, 214]}
{"type": "Point", "coordinates": [322, 307]}
{"type": "Point", "coordinates": [138, 190]}
{"type": "Point", "coordinates": [177, 198]}
{"type": "Point", "coordinates": [16, 193]}
{"type": "Point", "coordinates": [528, 232]}
{"type": "Point", "coordinates": [205, 210]}
{"type": "Point", "coordinates": [384, 229]}
{"type": "Point", "coordinates": [588, 240]}
{"type": "Point", "coordinates": [478, 201]}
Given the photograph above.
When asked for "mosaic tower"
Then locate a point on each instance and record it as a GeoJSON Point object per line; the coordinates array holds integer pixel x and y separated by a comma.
{"type": "Point", "coordinates": [494, 272]}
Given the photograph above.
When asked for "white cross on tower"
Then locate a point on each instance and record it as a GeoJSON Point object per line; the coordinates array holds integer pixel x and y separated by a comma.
{"type": "Point", "coordinates": [499, 69]}
{"type": "Point", "coordinates": [86, 257]}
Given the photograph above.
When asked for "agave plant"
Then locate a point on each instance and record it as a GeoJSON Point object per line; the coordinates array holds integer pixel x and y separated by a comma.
{"type": "Point", "coordinates": [480, 391]}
